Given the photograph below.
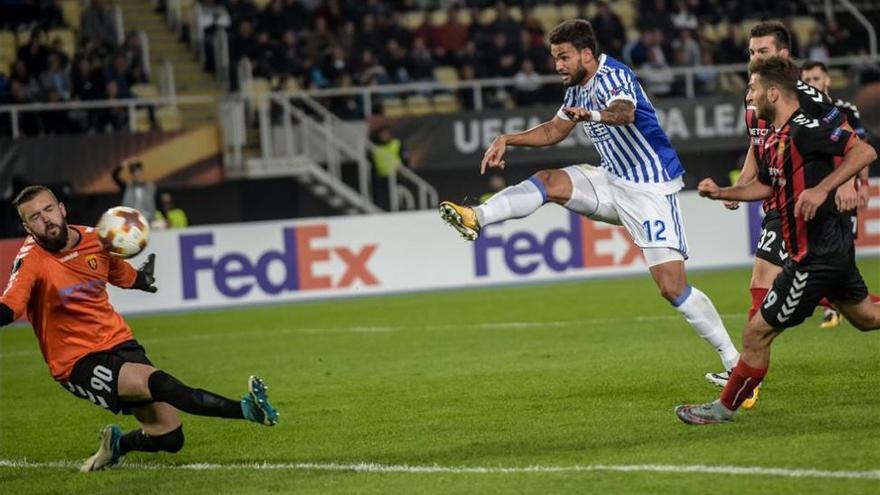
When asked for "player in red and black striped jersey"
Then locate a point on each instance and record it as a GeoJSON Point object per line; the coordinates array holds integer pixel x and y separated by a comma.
{"type": "Point", "coordinates": [798, 170]}
{"type": "Point", "coordinates": [816, 74]}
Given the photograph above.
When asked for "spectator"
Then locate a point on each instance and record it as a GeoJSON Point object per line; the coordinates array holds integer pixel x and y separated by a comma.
{"type": "Point", "coordinates": [609, 30]}
{"type": "Point", "coordinates": [114, 118]}
{"type": "Point", "coordinates": [527, 88]}
{"type": "Point", "coordinates": [656, 74]}
{"type": "Point", "coordinates": [682, 18]}
{"type": "Point", "coordinates": [320, 39]}
{"type": "Point", "coordinates": [504, 24]}
{"type": "Point", "coordinates": [169, 216]}
{"type": "Point", "coordinates": [296, 16]}
{"type": "Point", "coordinates": [55, 78]}
{"type": "Point", "coordinates": [388, 155]}
{"type": "Point", "coordinates": [21, 75]}
{"type": "Point", "coordinates": [273, 20]}
{"type": "Point", "coordinates": [97, 27]}
{"type": "Point", "coordinates": [686, 49]}
{"type": "Point", "coordinates": [28, 122]}
{"type": "Point", "coordinates": [369, 37]}
{"type": "Point", "coordinates": [451, 36]}
{"type": "Point", "coordinates": [117, 71]}
{"type": "Point", "coordinates": [88, 83]}
{"type": "Point", "coordinates": [537, 53]}
{"type": "Point", "coordinates": [55, 121]}
{"type": "Point", "coordinates": [818, 49]}
{"type": "Point", "coordinates": [396, 62]}
{"type": "Point", "coordinates": [346, 107]}
{"type": "Point", "coordinates": [137, 193]}
{"type": "Point", "coordinates": [502, 63]}
{"type": "Point", "coordinates": [730, 49]}
{"type": "Point", "coordinates": [369, 71]}
{"type": "Point", "coordinates": [134, 55]}
{"type": "Point", "coordinates": [421, 64]}
{"type": "Point", "coordinates": [635, 53]}
{"type": "Point", "coordinates": [34, 53]}
{"type": "Point", "coordinates": [58, 49]}
{"type": "Point", "coordinates": [287, 58]}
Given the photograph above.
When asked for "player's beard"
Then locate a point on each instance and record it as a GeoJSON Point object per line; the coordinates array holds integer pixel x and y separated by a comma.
{"type": "Point", "coordinates": [54, 242]}
{"type": "Point", "coordinates": [577, 77]}
{"type": "Point", "coordinates": [766, 111]}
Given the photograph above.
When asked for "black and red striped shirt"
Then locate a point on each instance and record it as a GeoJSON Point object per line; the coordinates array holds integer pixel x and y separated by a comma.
{"type": "Point", "coordinates": [797, 157]}
{"type": "Point", "coordinates": [813, 102]}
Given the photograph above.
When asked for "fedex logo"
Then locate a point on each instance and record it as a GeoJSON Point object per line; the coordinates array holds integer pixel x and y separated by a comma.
{"type": "Point", "coordinates": [236, 275]}
{"type": "Point", "coordinates": [584, 245]}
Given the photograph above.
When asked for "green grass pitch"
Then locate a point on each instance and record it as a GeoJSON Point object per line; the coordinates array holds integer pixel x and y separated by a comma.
{"type": "Point", "coordinates": [566, 376]}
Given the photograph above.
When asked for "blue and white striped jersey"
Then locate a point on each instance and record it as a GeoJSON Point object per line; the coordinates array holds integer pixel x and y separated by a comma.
{"type": "Point", "coordinates": [639, 153]}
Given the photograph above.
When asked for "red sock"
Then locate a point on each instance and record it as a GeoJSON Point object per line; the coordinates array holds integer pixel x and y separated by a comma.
{"type": "Point", "coordinates": [824, 302]}
{"type": "Point", "coordinates": [758, 295]}
{"type": "Point", "coordinates": [874, 299]}
{"type": "Point", "coordinates": [740, 385]}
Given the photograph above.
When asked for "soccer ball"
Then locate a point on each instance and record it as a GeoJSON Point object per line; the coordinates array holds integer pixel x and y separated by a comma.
{"type": "Point", "coordinates": [124, 231]}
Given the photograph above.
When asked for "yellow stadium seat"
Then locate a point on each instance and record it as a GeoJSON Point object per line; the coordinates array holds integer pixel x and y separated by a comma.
{"type": "Point", "coordinates": [446, 74]}
{"type": "Point", "coordinates": [465, 17]}
{"type": "Point", "coordinates": [626, 11]}
{"type": "Point", "coordinates": [68, 40]}
{"type": "Point", "coordinates": [515, 13]}
{"type": "Point", "coordinates": [145, 91]}
{"type": "Point", "coordinates": [839, 79]}
{"type": "Point", "coordinates": [419, 105]}
{"type": "Point", "coordinates": [488, 15]}
{"type": "Point", "coordinates": [446, 103]}
{"type": "Point", "coordinates": [393, 107]}
{"type": "Point", "coordinates": [169, 119]}
{"type": "Point", "coordinates": [71, 12]}
{"type": "Point", "coordinates": [412, 20]}
{"type": "Point", "coordinates": [547, 16]}
{"type": "Point", "coordinates": [438, 17]}
{"type": "Point", "coordinates": [142, 120]}
{"type": "Point", "coordinates": [568, 11]}
{"type": "Point", "coordinates": [803, 27]}
{"type": "Point", "coordinates": [261, 4]}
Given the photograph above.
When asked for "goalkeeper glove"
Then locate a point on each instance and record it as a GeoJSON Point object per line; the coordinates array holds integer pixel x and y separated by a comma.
{"type": "Point", "coordinates": [145, 279]}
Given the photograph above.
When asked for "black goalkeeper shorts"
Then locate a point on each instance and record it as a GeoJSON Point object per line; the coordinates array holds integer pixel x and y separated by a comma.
{"type": "Point", "coordinates": [95, 376]}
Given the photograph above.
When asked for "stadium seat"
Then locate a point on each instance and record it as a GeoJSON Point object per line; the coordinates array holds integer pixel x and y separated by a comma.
{"type": "Point", "coordinates": [548, 16]}
{"type": "Point", "coordinates": [419, 105]}
{"type": "Point", "coordinates": [262, 4]}
{"type": "Point", "coordinates": [626, 11]}
{"type": "Point", "coordinates": [145, 91]}
{"type": "Point", "coordinates": [412, 20]}
{"type": "Point", "coordinates": [446, 74]}
{"type": "Point", "coordinates": [446, 103]}
{"type": "Point", "coordinates": [438, 17]}
{"type": "Point", "coordinates": [169, 119]}
{"type": "Point", "coordinates": [515, 13]}
{"type": "Point", "coordinates": [465, 17]}
{"type": "Point", "coordinates": [71, 12]}
{"type": "Point", "coordinates": [142, 120]}
{"type": "Point", "coordinates": [487, 16]}
{"type": "Point", "coordinates": [568, 11]}
{"type": "Point", "coordinates": [839, 79]}
{"type": "Point", "coordinates": [68, 40]}
{"type": "Point", "coordinates": [803, 27]}
{"type": "Point", "coordinates": [8, 50]}
{"type": "Point", "coordinates": [393, 107]}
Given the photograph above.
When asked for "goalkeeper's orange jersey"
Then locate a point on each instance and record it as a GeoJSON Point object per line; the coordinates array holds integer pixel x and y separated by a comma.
{"type": "Point", "coordinates": [65, 298]}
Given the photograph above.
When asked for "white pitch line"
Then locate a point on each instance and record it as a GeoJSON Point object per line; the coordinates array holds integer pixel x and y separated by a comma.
{"type": "Point", "coordinates": [366, 467]}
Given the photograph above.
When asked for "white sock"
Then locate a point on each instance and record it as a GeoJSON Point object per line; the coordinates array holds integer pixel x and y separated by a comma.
{"type": "Point", "coordinates": [698, 310]}
{"type": "Point", "coordinates": [516, 201]}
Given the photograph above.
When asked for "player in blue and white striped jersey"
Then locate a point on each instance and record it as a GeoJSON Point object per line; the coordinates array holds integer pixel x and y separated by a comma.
{"type": "Point", "coordinates": [636, 184]}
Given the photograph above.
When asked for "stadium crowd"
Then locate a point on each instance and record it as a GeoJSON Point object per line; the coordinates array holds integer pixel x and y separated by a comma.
{"type": "Point", "coordinates": [45, 70]}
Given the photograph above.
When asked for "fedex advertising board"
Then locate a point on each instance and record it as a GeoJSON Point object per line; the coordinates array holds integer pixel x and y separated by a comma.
{"type": "Point", "coordinates": [264, 262]}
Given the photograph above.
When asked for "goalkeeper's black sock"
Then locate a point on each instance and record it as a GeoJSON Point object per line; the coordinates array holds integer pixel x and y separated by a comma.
{"type": "Point", "coordinates": [140, 441]}
{"type": "Point", "coordinates": [166, 388]}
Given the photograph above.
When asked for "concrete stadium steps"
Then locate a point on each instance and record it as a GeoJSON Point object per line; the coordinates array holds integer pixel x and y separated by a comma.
{"type": "Point", "coordinates": [189, 77]}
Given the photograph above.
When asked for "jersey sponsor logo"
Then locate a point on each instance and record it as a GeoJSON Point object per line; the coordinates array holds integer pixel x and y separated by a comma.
{"type": "Point", "coordinates": [582, 244]}
{"type": "Point", "coordinates": [831, 115]}
{"type": "Point", "coordinates": [90, 289]}
{"type": "Point", "coordinates": [235, 275]}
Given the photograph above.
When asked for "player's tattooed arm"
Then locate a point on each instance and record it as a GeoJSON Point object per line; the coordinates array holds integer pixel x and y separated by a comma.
{"type": "Point", "coordinates": [619, 112]}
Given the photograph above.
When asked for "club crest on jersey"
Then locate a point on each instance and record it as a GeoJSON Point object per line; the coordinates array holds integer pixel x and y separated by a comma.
{"type": "Point", "coordinates": [92, 261]}
{"type": "Point", "coordinates": [835, 134]}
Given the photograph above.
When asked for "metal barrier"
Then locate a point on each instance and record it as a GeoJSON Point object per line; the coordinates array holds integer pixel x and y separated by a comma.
{"type": "Point", "coordinates": [131, 105]}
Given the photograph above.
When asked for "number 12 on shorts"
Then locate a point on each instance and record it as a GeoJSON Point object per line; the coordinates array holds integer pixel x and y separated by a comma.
{"type": "Point", "coordinates": [658, 230]}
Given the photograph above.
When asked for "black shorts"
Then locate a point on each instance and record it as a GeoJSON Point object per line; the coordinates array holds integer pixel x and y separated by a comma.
{"type": "Point", "coordinates": [799, 288]}
{"type": "Point", "coordinates": [95, 376]}
{"type": "Point", "coordinates": [851, 223]}
{"type": "Point", "coordinates": [771, 246]}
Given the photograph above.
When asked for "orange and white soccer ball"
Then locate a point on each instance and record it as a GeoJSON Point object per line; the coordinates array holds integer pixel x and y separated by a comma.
{"type": "Point", "coordinates": [124, 231]}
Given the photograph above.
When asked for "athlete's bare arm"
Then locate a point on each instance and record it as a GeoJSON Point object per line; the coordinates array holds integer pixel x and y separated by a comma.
{"type": "Point", "coordinates": [619, 112]}
{"type": "Point", "coordinates": [546, 134]}
{"type": "Point", "coordinates": [752, 191]}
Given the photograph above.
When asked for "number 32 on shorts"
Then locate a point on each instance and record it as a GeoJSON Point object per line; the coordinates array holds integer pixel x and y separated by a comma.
{"type": "Point", "coordinates": [654, 231]}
